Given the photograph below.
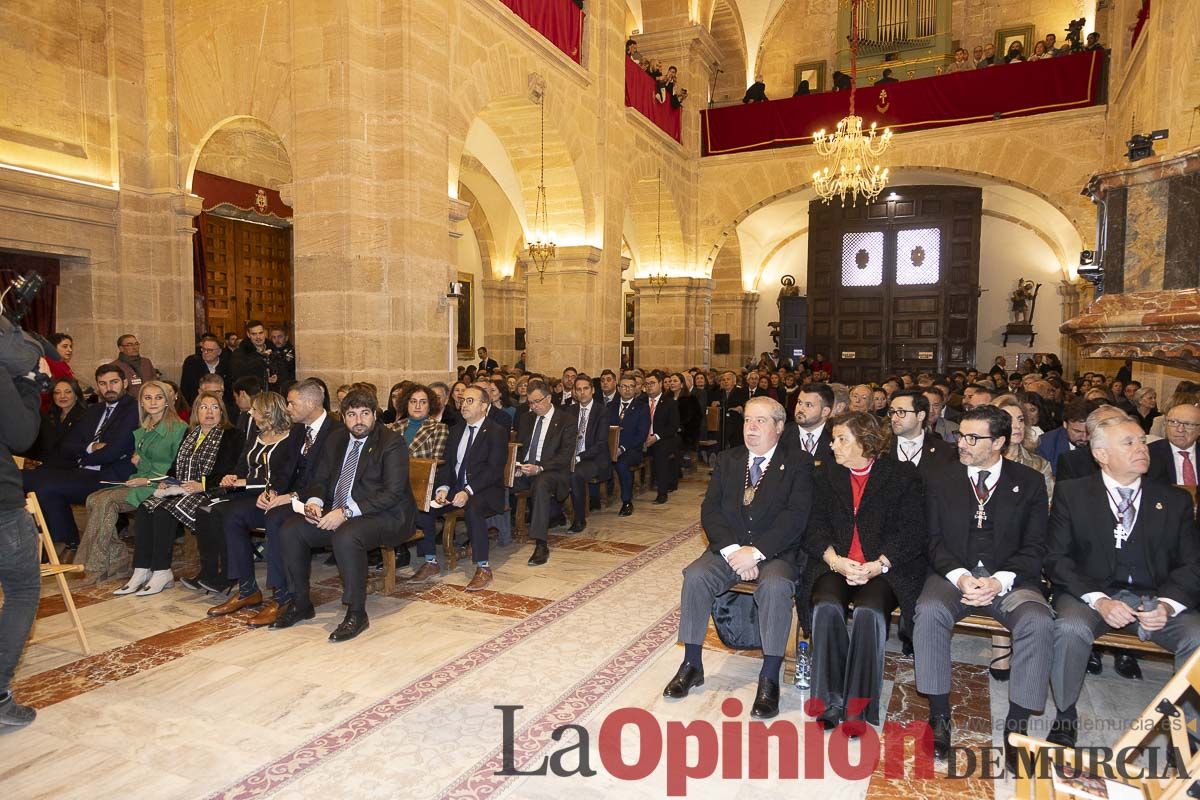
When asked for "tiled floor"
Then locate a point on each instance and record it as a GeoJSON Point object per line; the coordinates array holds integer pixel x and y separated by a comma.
{"type": "Point", "coordinates": [173, 704]}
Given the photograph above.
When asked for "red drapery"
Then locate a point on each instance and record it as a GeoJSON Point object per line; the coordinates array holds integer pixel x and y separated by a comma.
{"type": "Point", "coordinates": [560, 21]}
{"type": "Point", "coordinates": [639, 93]}
{"type": "Point", "coordinates": [1008, 90]}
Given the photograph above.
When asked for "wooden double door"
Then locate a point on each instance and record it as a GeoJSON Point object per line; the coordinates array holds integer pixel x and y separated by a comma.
{"type": "Point", "coordinates": [893, 284]}
{"type": "Point", "coordinates": [248, 275]}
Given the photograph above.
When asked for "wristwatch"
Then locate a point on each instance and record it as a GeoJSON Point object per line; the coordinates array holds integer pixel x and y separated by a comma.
{"type": "Point", "coordinates": [883, 567]}
{"type": "Point", "coordinates": [347, 512]}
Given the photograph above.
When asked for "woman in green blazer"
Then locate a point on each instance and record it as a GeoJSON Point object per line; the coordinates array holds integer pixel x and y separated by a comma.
{"type": "Point", "coordinates": [156, 441]}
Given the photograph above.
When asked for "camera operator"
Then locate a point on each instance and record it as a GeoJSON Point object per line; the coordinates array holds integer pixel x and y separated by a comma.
{"type": "Point", "coordinates": [21, 366]}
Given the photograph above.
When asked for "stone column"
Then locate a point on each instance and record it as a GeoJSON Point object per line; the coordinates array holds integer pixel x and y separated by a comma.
{"type": "Point", "coordinates": [504, 312]}
{"type": "Point", "coordinates": [734, 313]}
{"type": "Point", "coordinates": [693, 51]}
{"type": "Point", "coordinates": [1070, 295]}
{"type": "Point", "coordinates": [561, 329]}
{"type": "Point", "coordinates": [672, 323]}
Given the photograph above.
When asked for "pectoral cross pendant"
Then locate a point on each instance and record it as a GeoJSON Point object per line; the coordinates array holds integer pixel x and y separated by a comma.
{"type": "Point", "coordinates": [1120, 534]}
{"type": "Point", "coordinates": [980, 516]}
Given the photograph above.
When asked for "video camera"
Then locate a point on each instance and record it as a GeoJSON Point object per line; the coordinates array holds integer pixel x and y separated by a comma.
{"type": "Point", "coordinates": [20, 350]}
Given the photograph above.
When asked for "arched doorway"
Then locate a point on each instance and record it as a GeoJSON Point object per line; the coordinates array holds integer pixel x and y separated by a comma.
{"type": "Point", "coordinates": [242, 250]}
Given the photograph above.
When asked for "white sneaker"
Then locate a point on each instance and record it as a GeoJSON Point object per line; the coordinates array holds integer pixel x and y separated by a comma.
{"type": "Point", "coordinates": [140, 576]}
{"type": "Point", "coordinates": [159, 579]}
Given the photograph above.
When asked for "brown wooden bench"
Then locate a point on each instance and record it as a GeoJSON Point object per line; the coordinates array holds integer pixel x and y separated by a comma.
{"type": "Point", "coordinates": [421, 472]}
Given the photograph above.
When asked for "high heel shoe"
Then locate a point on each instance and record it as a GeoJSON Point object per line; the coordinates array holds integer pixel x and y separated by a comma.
{"type": "Point", "coordinates": [140, 576]}
{"type": "Point", "coordinates": [159, 579]}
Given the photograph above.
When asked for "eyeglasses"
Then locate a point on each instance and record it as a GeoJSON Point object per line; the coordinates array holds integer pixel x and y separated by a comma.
{"type": "Point", "coordinates": [900, 412]}
{"type": "Point", "coordinates": [973, 438]}
{"type": "Point", "coordinates": [1178, 423]}
{"type": "Point", "coordinates": [538, 400]}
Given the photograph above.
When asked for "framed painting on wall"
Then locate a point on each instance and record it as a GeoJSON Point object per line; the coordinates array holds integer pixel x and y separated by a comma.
{"type": "Point", "coordinates": [813, 72]}
{"type": "Point", "coordinates": [1017, 33]}
{"type": "Point", "coordinates": [466, 322]}
{"type": "Point", "coordinates": [630, 310]}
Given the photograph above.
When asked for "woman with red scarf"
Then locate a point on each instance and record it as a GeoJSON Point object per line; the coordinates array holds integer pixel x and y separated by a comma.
{"type": "Point", "coordinates": [866, 546]}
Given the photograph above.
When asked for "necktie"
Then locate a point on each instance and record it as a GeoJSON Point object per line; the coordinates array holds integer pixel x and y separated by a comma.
{"type": "Point", "coordinates": [1189, 469]}
{"type": "Point", "coordinates": [981, 484]}
{"type": "Point", "coordinates": [103, 422]}
{"type": "Point", "coordinates": [1125, 509]}
{"type": "Point", "coordinates": [308, 440]}
{"type": "Point", "coordinates": [341, 492]}
{"type": "Point", "coordinates": [756, 469]}
{"type": "Point", "coordinates": [461, 478]}
{"type": "Point", "coordinates": [624, 405]}
{"type": "Point", "coordinates": [583, 420]}
{"type": "Point", "coordinates": [653, 405]}
{"type": "Point", "coordinates": [532, 455]}
{"type": "Point", "coordinates": [809, 443]}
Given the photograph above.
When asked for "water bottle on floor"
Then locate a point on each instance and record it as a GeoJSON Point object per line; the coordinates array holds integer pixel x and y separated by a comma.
{"type": "Point", "coordinates": [803, 666]}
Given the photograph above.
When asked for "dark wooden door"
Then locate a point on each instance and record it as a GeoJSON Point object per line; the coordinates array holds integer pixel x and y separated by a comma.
{"type": "Point", "coordinates": [892, 285]}
{"type": "Point", "coordinates": [249, 274]}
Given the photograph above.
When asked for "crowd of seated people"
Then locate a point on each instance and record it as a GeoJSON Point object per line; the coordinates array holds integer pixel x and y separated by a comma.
{"type": "Point", "coordinates": [665, 86]}
{"type": "Point", "coordinates": [924, 493]}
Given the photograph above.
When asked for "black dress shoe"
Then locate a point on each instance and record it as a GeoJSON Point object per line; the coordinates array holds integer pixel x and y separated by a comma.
{"type": "Point", "coordinates": [1095, 666]}
{"type": "Point", "coordinates": [355, 623]}
{"type": "Point", "coordinates": [660, 498]}
{"type": "Point", "coordinates": [685, 679]}
{"type": "Point", "coordinates": [577, 527]}
{"type": "Point", "coordinates": [1063, 732]}
{"type": "Point", "coordinates": [766, 700]}
{"type": "Point", "coordinates": [941, 736]}
{"type": "Point", "coordinates": [831, 717]}
{"type": "Point", "coordinates": [541, 554]}
{"type": "Point", "coordinates": [1126, 665]}
{"type": "Point", "coordinates": [594, 504]}
{"type": "Point", "coordinates": [331, 561]}
{"type": "Point", "coordinates": [289, 616]}
{"type": "Point", "coordinates": [626, 510]}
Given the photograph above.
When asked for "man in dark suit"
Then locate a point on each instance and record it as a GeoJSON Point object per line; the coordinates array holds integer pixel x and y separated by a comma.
{"type": "Point", "coordinates": [486, 363]}
{"type": "Point", "coordinates": [101, 443]}
{"type": "Point", "coordinates": [732, 399]}
{"type": "Point", "coordinates": [470, 477]}
{"type": "Point", "coordinates": [987, 538]}
{"type": "Point", "coordinates": [808, 431]}
{"type": "Point", "coordinates": [1071, 436]}
{"type": "Point", "coordinates": [211, 360]}
{"type": "Point", "coordinates": [1078, 463]}
{"type": "Point", "coordinates": [663, 442]}
{"type": "Point", "coordinates": [312, 427]}
{"type": "Point", "coordinates": [1123, 555]}
{"type": "Point", "coordinates": [359, 499]}
{"type": "Point", "coordinates": [608, 388]}
{"type": "Point", "coordinates": [567, 396]}
{"type": "Point", "coordinates": [633, 416]}
{"type": "Point", "coordinates": [547, 438]}
{"type": "Point", "coordinates": [1173, 459]}
{"type": "Point", "coordinates": [911, 442]}
{"type": "Point", "coordinates": [754, 513]}
{"type": "Point", "coordinates": [592, 458]}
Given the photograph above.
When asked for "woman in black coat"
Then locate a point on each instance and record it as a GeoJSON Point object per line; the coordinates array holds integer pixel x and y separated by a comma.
{"type": "Point", "coordinates": [866, 543]}
{"type": "Point", "coordinates": [66, 407]}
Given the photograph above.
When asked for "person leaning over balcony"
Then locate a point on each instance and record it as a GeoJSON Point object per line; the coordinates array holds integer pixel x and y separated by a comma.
{"type": "Point", "coordinates": [757, 93]}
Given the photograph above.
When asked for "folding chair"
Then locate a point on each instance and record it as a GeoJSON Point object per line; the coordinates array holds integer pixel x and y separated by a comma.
{"type": "Point", "coordinates": [56, 569]}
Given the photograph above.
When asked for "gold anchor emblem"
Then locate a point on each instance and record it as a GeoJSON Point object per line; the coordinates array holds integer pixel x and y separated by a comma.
{"type": "Point", "coordinates": [883, 105]}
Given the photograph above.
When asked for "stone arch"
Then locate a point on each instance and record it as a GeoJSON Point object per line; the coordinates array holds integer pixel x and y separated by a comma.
{"type": "Point", "coordinates": [1013, 153]}
{"type": "Point", "coordinates": [495, 83]}
{"type": "Point", "coordinates": [245, 145]}
{"type": "Point", "coordinates": [725, 24]}
{"type": "Point", "coordinates": [640, 192]}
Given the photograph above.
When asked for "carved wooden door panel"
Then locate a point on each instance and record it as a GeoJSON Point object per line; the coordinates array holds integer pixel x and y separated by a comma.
{"type": "Point", "coordinates": [892, 284]}
{"type": "Point", "coordinates": [249, 273]}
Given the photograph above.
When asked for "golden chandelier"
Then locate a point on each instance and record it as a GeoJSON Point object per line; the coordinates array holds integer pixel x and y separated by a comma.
{"type": "Point", "coordinates": [852, 152]}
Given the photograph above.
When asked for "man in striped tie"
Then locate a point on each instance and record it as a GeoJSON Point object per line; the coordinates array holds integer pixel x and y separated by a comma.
{"type": "Point", "coordinates": [359, 499]}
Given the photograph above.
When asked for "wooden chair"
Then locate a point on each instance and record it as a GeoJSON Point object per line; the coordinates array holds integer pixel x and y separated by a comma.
{"type": "Point", "coordinates": [55, 569]}
{"type": "Point", "coordinates": [452, 517]}
{"type": "Point", "coordinates": [420, 481]}
{"type": "Point", "coordinates": [712, 427]}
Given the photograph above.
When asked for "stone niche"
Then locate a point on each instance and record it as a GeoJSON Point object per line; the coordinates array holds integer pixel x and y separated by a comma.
{"type": "Point", "coordinates": [1148, 300]}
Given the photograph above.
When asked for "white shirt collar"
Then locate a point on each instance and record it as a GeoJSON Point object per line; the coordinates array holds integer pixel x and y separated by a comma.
{"type": "Point", "coordinates": [815, 432]}
{"type": "Point", "coordinates": [993, 474]}
{"type": "Point", "coordinates": [315, 427]}
{"type": "Point", "coordinates": [1111, 484]}
{"type": "Point", "coordinates": [919, 439]}
{"type": "Point", "coordinates": [768, 455]}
